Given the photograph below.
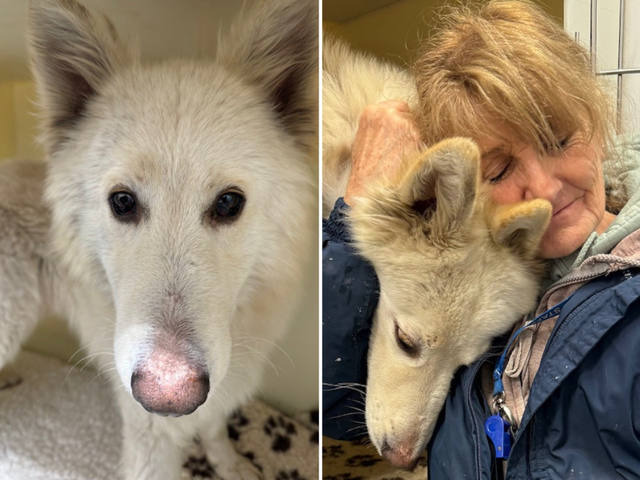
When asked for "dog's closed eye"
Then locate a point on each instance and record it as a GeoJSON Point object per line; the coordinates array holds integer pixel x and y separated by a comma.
{"type": "Point", "coordinates": [406, 343]}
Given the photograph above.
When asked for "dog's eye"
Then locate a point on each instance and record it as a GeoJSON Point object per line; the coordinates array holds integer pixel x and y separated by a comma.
{"type": "Point", "coordinates": [228, 205]}
{"type": "Point", "coordinates": [123, 205]}
{"type": "Point", "coordinates": [406, 344]}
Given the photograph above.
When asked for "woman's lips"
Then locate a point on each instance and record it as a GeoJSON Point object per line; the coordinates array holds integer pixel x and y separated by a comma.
{"type": "Point", "coordinates": [565, 207]}
{"type": "Point", "coordinates": [558, 210]}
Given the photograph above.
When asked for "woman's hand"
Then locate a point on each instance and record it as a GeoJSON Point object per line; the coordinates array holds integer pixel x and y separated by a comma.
{"type": "Point", "coordinates": [387, 131]}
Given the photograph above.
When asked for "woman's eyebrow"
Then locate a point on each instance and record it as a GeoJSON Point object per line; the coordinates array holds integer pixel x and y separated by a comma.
{"type": "Point", "coordinates": [495, 151]}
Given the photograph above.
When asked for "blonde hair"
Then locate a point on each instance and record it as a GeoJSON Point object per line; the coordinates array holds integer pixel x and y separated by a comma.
{"type": "Point", "coordinates": [508, 62]}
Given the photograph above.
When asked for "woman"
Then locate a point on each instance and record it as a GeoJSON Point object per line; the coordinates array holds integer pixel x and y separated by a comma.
{"type": "Point", "coordinates": [510, 78]}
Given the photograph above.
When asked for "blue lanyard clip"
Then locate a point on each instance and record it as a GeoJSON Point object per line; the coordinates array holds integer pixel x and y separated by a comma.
{"type": "Point", "coordinates": [500, 426]}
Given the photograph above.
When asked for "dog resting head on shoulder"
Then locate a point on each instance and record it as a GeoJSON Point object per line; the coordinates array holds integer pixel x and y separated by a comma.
{"type": "Point", "coordinates": [182, 193]}
{"type": "Point", "coordinates": [455, 272]}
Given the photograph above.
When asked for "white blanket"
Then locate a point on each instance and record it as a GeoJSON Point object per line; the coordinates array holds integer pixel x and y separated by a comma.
{"type": "Point", "coordinates": [62, 424]}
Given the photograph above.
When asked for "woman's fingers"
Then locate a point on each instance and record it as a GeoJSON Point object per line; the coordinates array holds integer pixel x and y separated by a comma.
{"type": "Point", "coordinates": [386, 132]}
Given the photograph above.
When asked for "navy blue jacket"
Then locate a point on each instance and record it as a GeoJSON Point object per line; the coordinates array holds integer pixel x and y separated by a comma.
{"type": "Point", "coordinates": [582, 418]}
{"type": "Point", "coordinates": [349, 299]}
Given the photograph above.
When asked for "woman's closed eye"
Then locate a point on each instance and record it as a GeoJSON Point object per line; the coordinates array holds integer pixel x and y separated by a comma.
{"type": "Point", "coordinates": [562, 144]}
{"type": "Point", "coordinates": [498, 169]}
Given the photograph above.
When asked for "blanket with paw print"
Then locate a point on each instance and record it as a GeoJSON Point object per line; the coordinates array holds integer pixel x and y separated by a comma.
{"type": "Point", "coordinates": [59, 423]}
{"type": "Point", "coordinates": [359, 460]}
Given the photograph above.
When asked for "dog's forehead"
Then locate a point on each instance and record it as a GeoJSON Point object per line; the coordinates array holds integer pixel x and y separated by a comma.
{"type": "Point", "coordinates": [183, 120]}
{"type": "Point", "coordinates": [186, 105]}
{"type": "Point", "coordinates": [432, 269]}
{"type": "Point", "coordinates": [445, 287]}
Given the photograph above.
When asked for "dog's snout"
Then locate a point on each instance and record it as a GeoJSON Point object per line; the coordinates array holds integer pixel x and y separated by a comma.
{"type": "Point", "coordinates": [169, 384]}
{"type": "Point", "coordinates": [401, 456]}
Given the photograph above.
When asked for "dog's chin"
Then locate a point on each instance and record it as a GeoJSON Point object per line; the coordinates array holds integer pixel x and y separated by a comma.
{"type": "Point", "coordinates": [173, 414]}
{"type": "Point", "coordinates": [403, 455]}
{"type": "Point", "coordinates": [401, 449]}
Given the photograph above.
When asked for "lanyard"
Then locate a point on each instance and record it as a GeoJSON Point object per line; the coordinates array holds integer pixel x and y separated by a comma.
{"type": "Point", "coordinates": [498, 388]}
{"type": "Point", "coordinates": [499, 426]}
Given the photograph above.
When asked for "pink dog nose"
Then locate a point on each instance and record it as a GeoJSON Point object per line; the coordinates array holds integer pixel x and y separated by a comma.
{"type": "Point", "coordinates": [402, 456]}
{"type": "Point", "coordinates": [168, 384]}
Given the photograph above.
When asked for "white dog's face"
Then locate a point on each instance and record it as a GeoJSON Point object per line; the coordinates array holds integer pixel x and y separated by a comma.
{"type": "Point", "coordinates": [453, 276]}
{"type": "Point", "coordinates": [179, 222]}
{"type": "Point", "coordinates": [425, 330]}
{"type": "Point", "coordinates": [177, 182]}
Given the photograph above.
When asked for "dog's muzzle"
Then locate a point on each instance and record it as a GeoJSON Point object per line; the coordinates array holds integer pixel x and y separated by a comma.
{"type": "Point", "coordinates": [401, 455]}
{"type": "Point", "coordinates": [169, 384]}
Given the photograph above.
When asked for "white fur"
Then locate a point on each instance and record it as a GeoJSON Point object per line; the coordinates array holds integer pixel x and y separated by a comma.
{"type": "Point", "coordinates": [455, 271]}
{"type": "Point", "coordinates": [177, 134]}
{"type": "Point", "coordinates": [350, 82]}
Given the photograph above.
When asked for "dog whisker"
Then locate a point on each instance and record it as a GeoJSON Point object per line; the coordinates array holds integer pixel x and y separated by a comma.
{"type": "Point", "coordinates": [357, 428]}
{"type": "Point", "coordinates": [219, 400]}
{"type": "Point", "coordinates": [355, 409]}
{"type": "Point", "coordinates": [254, 384]}
{"type": "Point", "coordinates": [332, 387]}
{"type": "Point", "coordinates": [265, 358]}
{"type": "Point", "coordinates": [88, 345]}
{"type": "Point", "coordinates": [233, 401]}
{"type": "Point", "coordinates": [114, 391]}
{"type": "Point", "coordinates": [88, 358]}
{"type": "Point", "coordinates": [273, 344]}
{"type": "Point", "coordinates": [262, 357]}
{"type": "Point", "coordinates": [99, 374]}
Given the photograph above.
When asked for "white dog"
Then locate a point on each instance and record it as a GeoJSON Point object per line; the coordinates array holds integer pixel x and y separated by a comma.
{"type": "Point", "coordinates": [178, 215]}
{"type": "Point", "coordinates": [455, 270]}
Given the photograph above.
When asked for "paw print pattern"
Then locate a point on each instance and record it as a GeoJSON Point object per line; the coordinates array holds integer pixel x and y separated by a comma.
{"type": "Point", "coordinates": [199, 468]}
{"type": "Point", "coordinates": [314, 416]}
{"type": "Point", "coordinates": [8, 379]}
{"type": "Point", "coordinates": [314, 438]}
{"type": "Point", "coordinates": [280, 431]}
{"type": "Point", "coordinates": [332, 451]}
{"type": "Point", "coordinates": [290, 475]}
{"type": "Point", "coordinates": [362, 461]}
{"type": "Point", "coordinates": [236, 424]}
{"type": "Point", "coordinates": [363, 441]}
{"type": "Point", "coordinates": [342, 476]}
{"type": "Point", "coordinates": [10, 383]}
{"type": "Point", "coordinates": [233, 433]}
{"type": "Point", "coordinates": [252, 458]}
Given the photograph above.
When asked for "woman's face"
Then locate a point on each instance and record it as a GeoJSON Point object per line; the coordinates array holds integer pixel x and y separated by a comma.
{"type": "Point", "coordinates": [571, 179]}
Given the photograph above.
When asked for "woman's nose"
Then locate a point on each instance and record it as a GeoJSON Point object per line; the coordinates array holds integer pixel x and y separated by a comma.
{"type": "Point", "coordinates": [541, 179]}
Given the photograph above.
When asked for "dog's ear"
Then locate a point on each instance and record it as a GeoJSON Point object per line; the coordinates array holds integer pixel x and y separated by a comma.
{"type": "Point", "coordinates": [276, 48]}
{"type": "Point", "coordinates": [72, 55]}
{"type": "Point", "coordinates": [439, 184]}
{"type": "Point", "coordinates": [520, 226]}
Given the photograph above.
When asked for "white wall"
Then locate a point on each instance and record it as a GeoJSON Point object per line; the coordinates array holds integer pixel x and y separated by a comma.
{"type": "Point", "coordinates": [578, 21]}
